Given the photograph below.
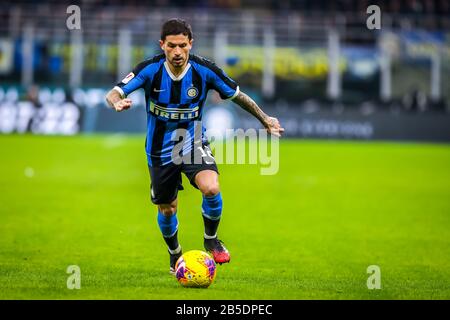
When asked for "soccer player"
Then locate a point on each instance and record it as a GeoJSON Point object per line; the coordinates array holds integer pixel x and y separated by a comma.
{"type": "Point", "coordinates": [176, 84]}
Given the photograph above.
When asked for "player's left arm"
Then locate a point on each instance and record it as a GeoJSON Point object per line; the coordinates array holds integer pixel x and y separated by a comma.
{"type": "Point", "coordinates": [228, 89]}
{"type": "Point", "coordinates": [270, 123]}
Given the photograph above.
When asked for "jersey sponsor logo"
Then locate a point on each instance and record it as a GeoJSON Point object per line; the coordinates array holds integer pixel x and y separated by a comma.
{"type": "Point", "coordinates": [128, 78]}
{"type": "Point", "coordinates": [174, 113]}
{"type": "Point", "coordinates": [192, 92]}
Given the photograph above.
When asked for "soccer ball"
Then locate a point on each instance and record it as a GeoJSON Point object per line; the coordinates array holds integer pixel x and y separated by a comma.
{"type": "Point", "coordinates": [196, 269]}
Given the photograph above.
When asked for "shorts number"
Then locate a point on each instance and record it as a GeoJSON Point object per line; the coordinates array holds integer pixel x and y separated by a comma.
{"type": "Point", "coordinates": [206, 153]}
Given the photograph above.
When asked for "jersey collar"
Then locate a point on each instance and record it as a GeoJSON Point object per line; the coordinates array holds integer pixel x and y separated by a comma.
{"type": "Point", "coordinates": [172, 76]}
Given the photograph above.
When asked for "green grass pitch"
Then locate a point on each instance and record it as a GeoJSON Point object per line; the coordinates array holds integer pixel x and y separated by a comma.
{"type": "Point", "coordinates": [309, 232]}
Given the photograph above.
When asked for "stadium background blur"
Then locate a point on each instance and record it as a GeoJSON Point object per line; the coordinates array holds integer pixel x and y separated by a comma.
{"type": "Point", "coordinates": [74, 183]}
{"type": "Point", "coordinates": [315, 62]}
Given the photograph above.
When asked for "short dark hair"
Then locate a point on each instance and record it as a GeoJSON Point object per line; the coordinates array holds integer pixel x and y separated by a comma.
{"type": "Point", "coordinates": [176, 26]}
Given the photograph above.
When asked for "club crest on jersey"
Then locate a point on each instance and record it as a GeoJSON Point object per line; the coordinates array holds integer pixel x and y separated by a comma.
{"type": "Point", "coordinates": [128, 78]}
{"type": "Point", "coordinates": [192, 92]}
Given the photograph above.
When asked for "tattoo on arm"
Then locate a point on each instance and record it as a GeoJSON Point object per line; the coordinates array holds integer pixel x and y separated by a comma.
{"type": "Point", "coordinates": [247, 103]}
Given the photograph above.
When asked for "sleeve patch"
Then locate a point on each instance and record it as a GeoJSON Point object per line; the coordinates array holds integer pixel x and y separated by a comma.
{"type": "Point", "coordinates": [128, 78]}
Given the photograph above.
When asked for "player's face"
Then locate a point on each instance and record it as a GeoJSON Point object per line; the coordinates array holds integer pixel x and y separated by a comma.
{"type": "Point", "coordinates": [176, 48]}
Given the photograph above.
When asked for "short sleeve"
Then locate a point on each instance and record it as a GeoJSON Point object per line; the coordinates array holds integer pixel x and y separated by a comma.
{"type": "Point", "coordinates": [134, 80]}
{"type": "Point", "coordinates": [222, 83]}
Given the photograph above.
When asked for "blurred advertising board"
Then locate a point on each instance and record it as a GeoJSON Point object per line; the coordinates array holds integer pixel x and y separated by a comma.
{"type": "Point", "coordinates": [40, 112]}
{"type": "Point", "coordinates": [53, 111]}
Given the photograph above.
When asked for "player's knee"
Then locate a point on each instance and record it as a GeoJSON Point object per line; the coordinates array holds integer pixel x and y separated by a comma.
{"type": "Point", "coordinates": [168, 209]}
{"type": "Point", "coordinates": [210, 189]}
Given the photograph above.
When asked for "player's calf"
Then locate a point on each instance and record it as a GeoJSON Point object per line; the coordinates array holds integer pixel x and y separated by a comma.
{"type": "Point", "coordinates": [212, 212]}
{"type": "Point", "coordinates": [168, 224]}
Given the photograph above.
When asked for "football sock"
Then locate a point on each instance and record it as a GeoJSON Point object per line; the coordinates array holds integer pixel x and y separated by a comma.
{"type": "Point", "coordinates": [169, 229]}
{"type": "Point", "coordinates": [212, 211]}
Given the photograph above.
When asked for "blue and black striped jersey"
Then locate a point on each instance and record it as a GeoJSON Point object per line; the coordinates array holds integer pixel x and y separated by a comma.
{"type": "Point", "coordinates": [174, 102]}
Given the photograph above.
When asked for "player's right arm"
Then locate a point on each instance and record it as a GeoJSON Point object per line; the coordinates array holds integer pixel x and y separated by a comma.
{"type": "Point", "coordinates": [117, 96]}
{"type": "Point", "coordinates": [115, 101]}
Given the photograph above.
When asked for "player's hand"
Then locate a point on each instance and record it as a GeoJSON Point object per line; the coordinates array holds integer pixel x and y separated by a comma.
{"type": "Point", "coordinates": [273, 126]}
{"type": "Point", "coordinates": [123, 104]}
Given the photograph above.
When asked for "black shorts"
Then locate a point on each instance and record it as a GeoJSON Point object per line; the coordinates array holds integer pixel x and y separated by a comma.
{"type": "Point", "coordinates": [166, 180]}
